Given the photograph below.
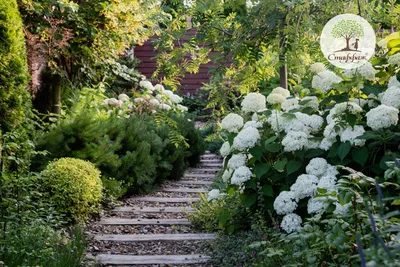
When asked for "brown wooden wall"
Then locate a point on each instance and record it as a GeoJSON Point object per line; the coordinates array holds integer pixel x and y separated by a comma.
{"type": "Point", "coordinates": [189, 84]}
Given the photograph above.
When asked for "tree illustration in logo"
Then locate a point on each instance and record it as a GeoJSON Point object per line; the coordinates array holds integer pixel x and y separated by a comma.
{"type": "Point", "coordinates": [348, 29]}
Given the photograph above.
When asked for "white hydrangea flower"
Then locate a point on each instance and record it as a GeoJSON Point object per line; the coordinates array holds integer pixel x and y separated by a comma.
{"type": "Point", "coordinates": [312, 143]}
{"type": "Point", "coordinates": [326, 143]}
{"type": "Point", "coordinates": [393, 82]}
{"type": "Point", "coordinates": [285, 203]}
{"type": "Point", "coordinates": [317, 67]}
{"type": "Point", "coordinates": [159, 88]}
{"type": "Point", "coordinates": [164, 106]}
{"type": "Point", "coordinates": [290, 103]}
{"type": "Point", "coordinates": [176, 99]}
{"type": "Point", "coordinates": [372, 101]}
{"type": "Point", "coordinates": [105, 102]}
{"type": "Point", "coordinates": [225, 149]}
{"type": "Point", "coordinates": [305, 186]}
{"type": "Point", "coordinates": [182, 108]}
{"type": "Point", "coordinates": [154, 102]}
{"type": "Point", "coordinates": [254, 124]}
{"type": "Point", "coordinates": [281, 91]}
{"type": "Point", "coordinates": [382, 117]}
{"type": "Point", "coordinates": [159, 97]}
{"type": "Point", "coordinates": [328, 182]}
{"type": "Point", "coordinates": [312, 102]}
{"type": "Point", "coordinates": [341, 210]}
{"type": "Point", "coordinates": [147, 85]}
{"type": "Point", "coordinates": [241, 175]}
{"type": "Point", "coordinates": [213, 194]}
{"type": "Point", "coordinates": [324, 80]}
{"type": "Point", "coordinates": [359, 101]}
{"type": "Point", "coordinates": [253, 102]}
{"type": "Point", "coordinates": [343, 108]}
{"type": "Point", "coordinates": [113, 102]}
{"type": "Point", "coordinates": [275, 99]}
{"type": "Point", "coordinates": [317, 166]}
{"type": "Point", "coordinates": [232, 123]}
{"type": "Point", "coordinates": [123, 97]}
{"type": "Point", "coordinates": [350, 134]}
{"type": "Point", "coordinates": [332, 130]}
{"type": "Point", "coordinates": [236, 161]}
{"type": "Point", "coordinates": [227, 174]}
{"type": "Point", "coordinates": [391, 97]}
{"type": "Point", "coordinates": [313, 122]}
{"type": "Point", "coordinates": [254, 117]}
{"type": "Point", "coordinates": [367, 71]}
{"type": "Point", "coordinates": [394, 59]}
{"type": "Point", "coordinates": [331, 171]}
{"type": "Point", "coordinates": [316, 206]}
{"type": "Point", "coordinates": [247, 138]}
{"type": "Point", "coordinates": [277, 121]}
{"type": "Point", "coordinates": [383, 43]}
{"type": "Point", "coordinates": [291, 222]}
{"type": "Point", "coordinates": [168, 93]}
{"type": "Point", "coordinates": [294, 141]}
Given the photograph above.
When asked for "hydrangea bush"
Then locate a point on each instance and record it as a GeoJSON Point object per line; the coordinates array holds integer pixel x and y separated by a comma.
{"type": "Point", "coordinates": [281, 151]}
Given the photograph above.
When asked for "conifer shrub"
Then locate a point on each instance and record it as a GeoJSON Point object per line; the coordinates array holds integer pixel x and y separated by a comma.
{"type": "Point", "coordinates": [15, 101]}
{"type": "Point", "coordinates": [73, 186]}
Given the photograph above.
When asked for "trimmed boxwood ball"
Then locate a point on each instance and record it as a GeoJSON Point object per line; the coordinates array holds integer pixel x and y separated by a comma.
{"type": "Point", "coordinates": [74, 187]}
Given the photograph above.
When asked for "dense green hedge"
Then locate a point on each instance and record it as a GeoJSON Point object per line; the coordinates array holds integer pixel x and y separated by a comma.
{"type": "Point", "coordinates": [14, 97]}
{"type": "Point", "coordinates": [135, 151]}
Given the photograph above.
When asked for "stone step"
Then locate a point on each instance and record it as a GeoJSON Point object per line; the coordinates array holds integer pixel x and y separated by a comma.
{"type": "Point", "coordinates": [153, 237]}
{"type": "Point", "coordinates": [216, 165]}
{"type": "Point", "coordinates": [151, 259]}
{"type": "Point", "coordinates": [154, 209]}
{"type": "Point", "coordinates": [211, 160]}
{"type": "Point", "coordinates": [184, 182]}
{"type": "Point", "coordinates": [120, 221]}
{"type": "Point", "coordinates": [168, 199]}
{"type": "Point", "coordinates": [199, 175]}
{"type": "Point", "coordinates": [192, 170]}
{"type": "Point", "coordinates": [185, 190]}
{"type": "Point", "coordinates": [210, 156]}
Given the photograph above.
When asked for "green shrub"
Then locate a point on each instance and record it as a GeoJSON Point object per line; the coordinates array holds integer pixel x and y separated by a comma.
{"type": "Point", "coordinates": [74, 186]}
{"type": "Point", "coordinates": [40, 245]}
{"type": "Point", "coordinates": [15, 100]}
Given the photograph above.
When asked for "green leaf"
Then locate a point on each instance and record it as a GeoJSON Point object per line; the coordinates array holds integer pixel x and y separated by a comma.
{"type": "Point", "coordinates": [223, 217]}
{"type": "Point", "coordinates": [312, 153]}
{"type": "Point", "coordinates": [230, 229]}
{"type": "Point", "coordinates": [249, 200]}
{"type": "Point", "coordinates": [334, 150]}
{"type": "Point", "coordinates": [257, 152]}
{"type": "Point", "coordinates": [360, 155]}
{"type": "Point", "coordinates": [274, 147]}
{"type": "Point", "coordinates": [351, 119]}
{"type": "Point", "coordinates": [267, 190]}
{"type": "Point", "coordinates": [280, 165]}
{"type": "Point", "coordinates": [271, 139]}
{"type": "Point", "coordinates": [261, 168]}
{"type": "Point", "coordinates": [393, 43]}
{"type": "Point", "coordinates": [293, 166]}
{"type": "Point", "coordinates": [343, 150]}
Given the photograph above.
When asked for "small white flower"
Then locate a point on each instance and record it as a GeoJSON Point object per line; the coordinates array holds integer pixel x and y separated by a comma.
{"type": "Point", "coordinates": [275, 99]}
{"type": "Point", "coordinates": [326, 143]}
{"type": "Point", "coordinates": [253, 102]}
{"type": "Point", "coordinates": [147, 85]}
{"type": "Point", "coordinates": [182, 108]}
{"type": "Point", "coordinates": [225, 149]}
{"type": "Point", "coordinates": [294, 141]}
{"type": "Point", "coordinates": [316, 205]}
{"type": "Point", "coordinates": [359, 101]}
{"type": "Point", "coordinates": [328, 182]}
{"type": "Point", "coordinates": [311, 101]}
{"type": "Point", "coordinates": [232, 123]}
{"type": "Point", "coordinates": [290, 103]}
{"type": "Point", "coordinates": [317, 166]}
{"type": "Point", "coordinates": [154, 102]}
{"type": "Point", "coordinates": [213, 194]}
{"type": "Point", "coordinates": [367, 71]}
{"type": "Point", "coordinates": [236, 161]}
{"type": "Point", "coordinates": [254, 117]}
{"type": "Point", "coordinates": [241, 175]}
{"type": "Point", "coordinates": [393, 82]}
{"type": "Point", "coordinates": [247, 138]}
{"type": "Point", "coordinates": [123, 97]}
{"type": "Point", "coordinates": [113, 102]}
{"type": "Point", "coordinates": [227, 174]}
{"type": "Point", "coordinates": [176, 99]}
{"type": "Point", "coordinates": [342, 210]}
{"type": "Point", "coordinates": [350, 134]}
{"type": "Point", "coordinates": [285, 203]}
{"type": "Point", "coordinates": [324, 80]}
{"type": "Point", "coordinates": [317, 67]}
{"type": "Point", "coordinates": [281, 91]}
{"type": "Point", "coordinates": [138, 100]}
{"type": "Point", "coordinates": [394, 59]}
{"type": "Point", "coordinates": [291, 222]}
{"type": "Point", "coordinates": [168, 93]}
{"type": "Point", "coordinates": [391, 97]}
{"type": "Point", "coordinates": [164, 106]}
{"type": "Point", "coordinates": [382, 117]}
{"type": "Point", "coordinates": [305, 186]}
{"type": "Point", "coordinates": [159, 88]}
{"type": "Point", "coordinates": [254, 124]}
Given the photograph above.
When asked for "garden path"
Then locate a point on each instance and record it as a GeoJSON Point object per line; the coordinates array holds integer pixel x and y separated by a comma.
{"type": "Point", "coordinates": [154, 230]}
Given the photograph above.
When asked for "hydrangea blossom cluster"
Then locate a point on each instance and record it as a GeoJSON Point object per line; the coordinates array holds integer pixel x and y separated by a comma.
{"type": "Point", "coordinates": [324, 80]}
{"type": "Point", "coordinates": [291, 222]}
{"type": "Point", "coordinates": [253, 102]}
{"type": "Point", "coordinates": [320, 174]}
{"type": "Point", "coordinates": [317, 67]}
{"type": "Point", "coordinates": [213, 194]}
{"type": "Point", "coordinates": [232, 123]}
{"type": "Point", "coordinates": [382, 117]}
{"type": "Point", "coordinates": [241, 175]}
{"type": "Point", "coordinates": [394, 59]}
{"type": "Point", "coordinates": [391, 97]}
{"type": "Point", "coordinates": [367, 71]}
{"type": "Point", "coordinates": [278, 96]}
{"type": "Point", "coordinates": [247, 138]}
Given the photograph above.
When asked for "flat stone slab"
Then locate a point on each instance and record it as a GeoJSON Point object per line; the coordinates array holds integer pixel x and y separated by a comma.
{"type": "Point", "coordinates": [151, 259]}
{"type": "Point", "coordinates": [199, 175]}
{"type": "Point", "coordinates": [203, 170]}
{"type": "Point", "coordinates": [185, 190]}
{"type": "Point", "coordinates": [212, 160]}
{"type": "Point", "coordinates": [194, 182]}
{"type": "Point", "coordinates": [168, 199]}
{"type": "Point", "coordinates": [123, 221]}
{"type": "Point", "coordinates": [153, 237]}
{"type": "Point", "coordinates": [219, 165]}
{"type": "Point", "coordinates": [154, 209]}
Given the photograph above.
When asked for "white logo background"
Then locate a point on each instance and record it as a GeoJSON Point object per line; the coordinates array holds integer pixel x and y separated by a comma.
{"type": "Point", "coordinates": [334, 49]}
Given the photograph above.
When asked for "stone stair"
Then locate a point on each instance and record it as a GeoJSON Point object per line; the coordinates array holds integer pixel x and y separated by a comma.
{"type": "Point", "coordinates": [153, 230]}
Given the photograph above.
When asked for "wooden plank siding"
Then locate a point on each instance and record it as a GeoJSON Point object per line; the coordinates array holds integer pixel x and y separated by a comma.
{"type": "Point", "coordinates": [190, 82]}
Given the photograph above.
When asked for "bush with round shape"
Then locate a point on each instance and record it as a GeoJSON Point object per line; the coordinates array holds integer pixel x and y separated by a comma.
{"type": "Point", "coordinates": [73, 186]}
